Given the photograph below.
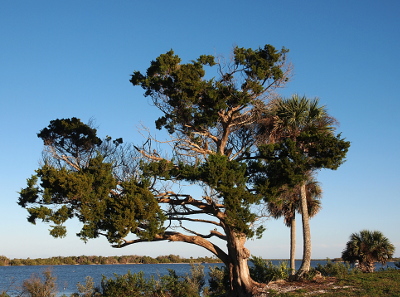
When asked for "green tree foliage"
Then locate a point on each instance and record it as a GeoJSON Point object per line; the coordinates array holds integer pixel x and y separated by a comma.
{"type": "Point", "coordinates": [70, 137]}
{"type": "Point", "coordinates": [89, 179]}
{"type": "Point", "coordinates": [296, 138]}
{"type": "Point", "coordinates": [366, 248]}
{"type": "Point", "coordinates": [288, 162]}
{"type": "Point", "coordinates": [192, 103]}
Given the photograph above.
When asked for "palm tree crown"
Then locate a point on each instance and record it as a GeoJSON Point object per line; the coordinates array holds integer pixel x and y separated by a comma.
{"type": "Point", "coordinates": [289, 117]}
{"type": "Point", "coordinates": [289, 202]}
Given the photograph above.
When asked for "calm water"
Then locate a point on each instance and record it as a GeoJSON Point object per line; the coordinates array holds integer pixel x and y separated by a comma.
{"type": "Point", "coordinates": [11, 277]}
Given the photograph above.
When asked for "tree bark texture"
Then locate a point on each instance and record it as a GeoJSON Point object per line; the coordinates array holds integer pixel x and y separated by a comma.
{"type": "Point", "coordinates": [241, 284]}
{"type": "Point", "coordinates": [293, 246]}
{"type": "Point", "coordinates": [305, 265]}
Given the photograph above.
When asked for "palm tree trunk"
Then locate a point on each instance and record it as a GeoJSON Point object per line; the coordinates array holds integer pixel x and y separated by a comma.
{"type": "Point", "coordinates": [305, 265]}
{"type": "Point", "coordinates": [293, 245]}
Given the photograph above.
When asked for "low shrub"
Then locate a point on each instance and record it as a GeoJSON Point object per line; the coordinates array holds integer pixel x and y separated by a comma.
{"type": "Point", "coordinates": [218, 282]}
{"type": "Point", "coordinates": [38, 287]}
{"type": "Point", "coordinates": [87, 289]}
{"type": "Point", "coordinates": [338, 269]}
{"type": "Point", "coordinates": [196, 278]}
{"type": "Point", "coordinates": [263, 271]}
{"type": "Point", "coordinates": [169, 285]}
{"type": "Point", "coordinates": [174, 285]}
{"type": "Point", "coordinates": [129, 285]}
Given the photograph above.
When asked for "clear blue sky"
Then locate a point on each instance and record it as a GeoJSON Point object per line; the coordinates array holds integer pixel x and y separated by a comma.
{"type": "Point", "coordinates": [62, 59]}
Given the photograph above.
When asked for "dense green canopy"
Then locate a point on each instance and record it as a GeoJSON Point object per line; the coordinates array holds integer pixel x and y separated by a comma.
{"type": "Point", "coordinates": [77, 180]}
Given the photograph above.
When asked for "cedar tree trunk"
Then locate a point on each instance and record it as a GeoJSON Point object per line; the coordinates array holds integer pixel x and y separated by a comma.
{"type": "Point", "coordinates": [241, 284]}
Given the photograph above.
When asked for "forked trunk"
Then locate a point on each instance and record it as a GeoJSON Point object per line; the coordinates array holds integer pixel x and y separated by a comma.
{"type": "Point", "coordinates": [305, 265]}
{"type": "Point", "coordinates": [293, 245]}
{"type": "Point", "coordinates": [241, 284]}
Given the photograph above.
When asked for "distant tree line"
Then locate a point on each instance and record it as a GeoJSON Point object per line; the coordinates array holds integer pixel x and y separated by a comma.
{"type": "Point", "coordinates": [101, 260]}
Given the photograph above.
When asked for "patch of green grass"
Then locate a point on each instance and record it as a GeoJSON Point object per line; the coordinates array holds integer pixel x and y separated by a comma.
{"type": "Point", "coordinates": [380, 283]}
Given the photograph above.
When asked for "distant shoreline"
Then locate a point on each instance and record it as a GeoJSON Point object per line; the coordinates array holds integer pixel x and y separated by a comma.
{"type": "Point", "coordinates": [105, 260]}
{"type": "Point", "coordinates": [127, 259]}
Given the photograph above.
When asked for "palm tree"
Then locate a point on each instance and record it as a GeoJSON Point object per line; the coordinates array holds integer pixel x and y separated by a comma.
{"type": "Point", "coordinates": [289, 118]}
{"type": "Point", "coordinates": [289, 203]}
{"type": "Point", "coordinates": [366, 248]}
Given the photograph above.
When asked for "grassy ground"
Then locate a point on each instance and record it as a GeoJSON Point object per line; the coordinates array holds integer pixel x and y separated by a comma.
{"type": "Point", "coordinates": [380, 283]}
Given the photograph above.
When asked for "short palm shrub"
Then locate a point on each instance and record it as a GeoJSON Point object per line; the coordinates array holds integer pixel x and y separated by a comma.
{"type": "Point", "coordinates": [263, 271]}
{"type": "Point", "coordinates": [366, 248]}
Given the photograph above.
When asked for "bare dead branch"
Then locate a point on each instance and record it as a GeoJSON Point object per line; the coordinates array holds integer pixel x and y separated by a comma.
{"type": "Point", "coordinates": [195, 220]}
{"type": "Point", "coordinates": [211, 234]}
